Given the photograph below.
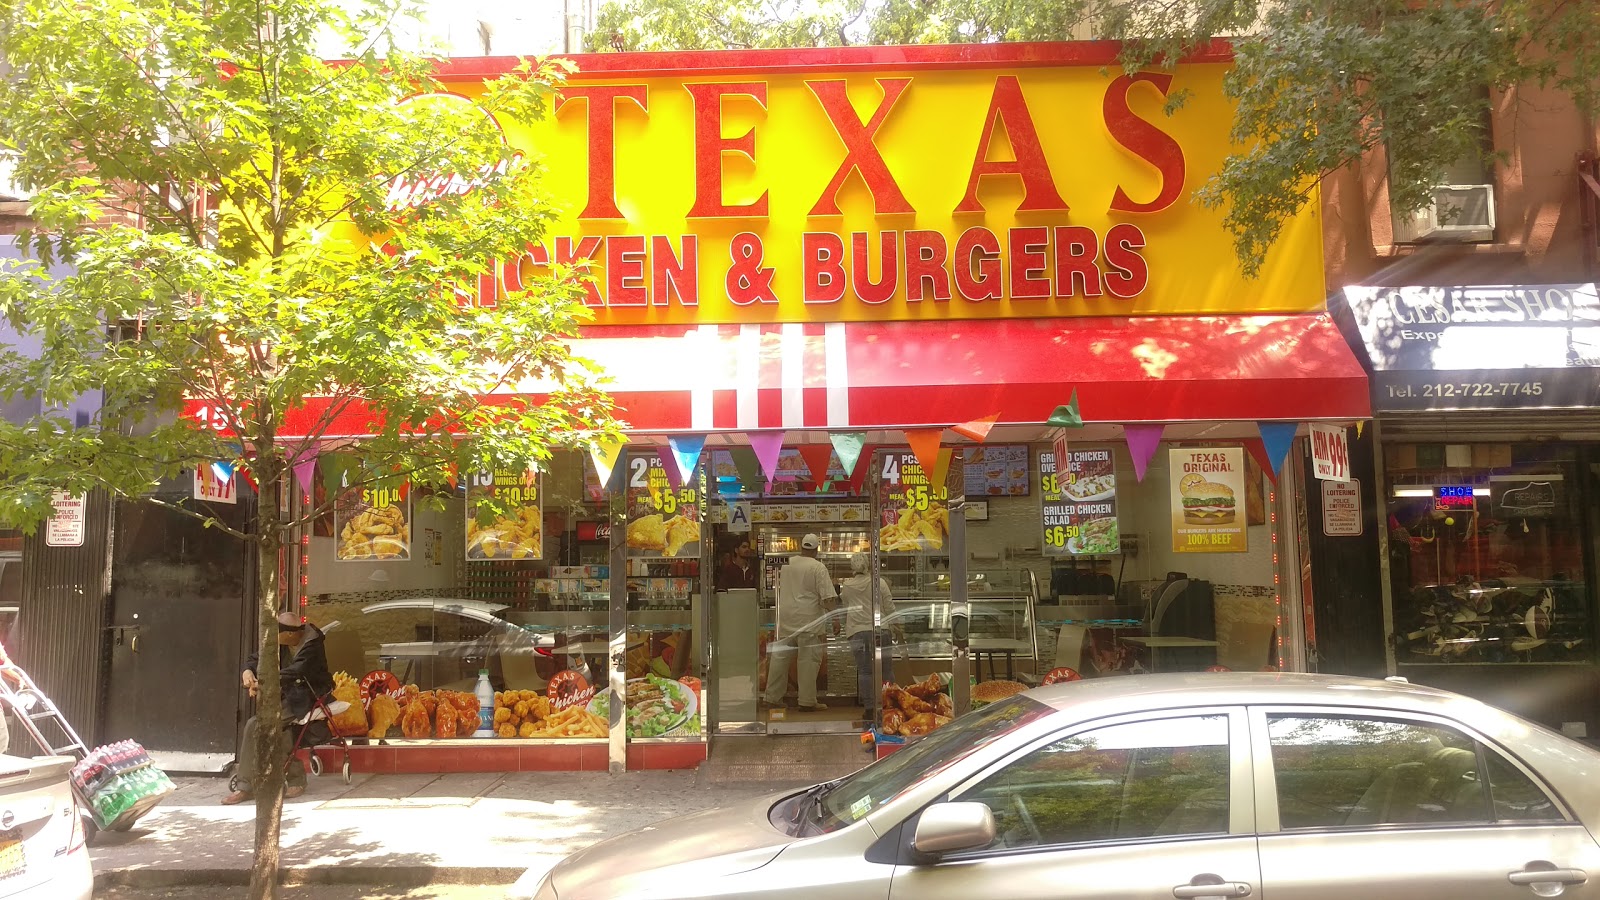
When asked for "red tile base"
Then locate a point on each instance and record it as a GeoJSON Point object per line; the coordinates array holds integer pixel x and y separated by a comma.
{"type": "Point", "coordinates": [505, 756]}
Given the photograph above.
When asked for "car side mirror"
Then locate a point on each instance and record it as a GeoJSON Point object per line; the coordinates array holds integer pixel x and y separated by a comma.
{"type": "Point", "coordinates": [949, 827]}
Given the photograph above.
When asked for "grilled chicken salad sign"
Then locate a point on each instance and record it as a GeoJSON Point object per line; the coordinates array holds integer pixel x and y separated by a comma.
{"type": "Point", "coordinates": [518, 531]}
{"type": "Point", "coordinates": [1207, 488]}
{"type": "Point", "coordinates": [772, 189]}
{"type": "Point", "coordinates": [1080, 503]}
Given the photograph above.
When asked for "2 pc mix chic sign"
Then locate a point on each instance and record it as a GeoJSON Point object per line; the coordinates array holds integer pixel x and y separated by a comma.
{"type": "Point", "coordinates": [865, 184]}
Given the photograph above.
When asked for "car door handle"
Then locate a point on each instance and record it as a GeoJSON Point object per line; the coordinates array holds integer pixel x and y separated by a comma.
{"type": "Point", "coordinates": [1209, 891]}
{"type": "Point", "coordinates": [1548, 876]}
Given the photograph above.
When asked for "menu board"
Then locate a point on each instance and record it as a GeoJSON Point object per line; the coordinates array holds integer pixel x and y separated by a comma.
{"type": "Point", "coordinates": [516, 531]}
{"type": "Point", "coordinates": [1206, 485]}
{"type": "Point", "coordinates": [661, 521]}
{"type": "Point", "coordinates": [1079, 503]}
{"type": "Point", "coordinates": [999, 471]}
{"type": "Point", "coordinates": [915, 514]}
{"type": "Point", "coordinates": [371, 516]}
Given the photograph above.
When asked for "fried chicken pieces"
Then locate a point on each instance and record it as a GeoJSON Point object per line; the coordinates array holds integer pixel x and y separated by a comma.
{"type": "Point", "coordinates": [916, 709]}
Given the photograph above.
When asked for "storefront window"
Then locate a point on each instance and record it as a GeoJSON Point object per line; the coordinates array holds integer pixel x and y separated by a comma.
{"type": "Point", "coordinates": [1486, 553]}
{"type": "Point", "coordinates": [421, 597]}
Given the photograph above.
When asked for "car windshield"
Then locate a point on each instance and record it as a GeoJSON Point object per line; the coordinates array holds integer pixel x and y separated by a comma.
{"type": "Point", "coordinates": [877, 784]}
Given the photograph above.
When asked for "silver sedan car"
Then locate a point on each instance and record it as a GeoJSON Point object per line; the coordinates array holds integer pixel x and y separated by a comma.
{"type": "Point", "coordinates": [1196, 787]}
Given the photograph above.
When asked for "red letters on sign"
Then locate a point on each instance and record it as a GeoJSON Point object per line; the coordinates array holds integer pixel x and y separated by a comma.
{"type": "Point", "coordinates": [1077, 246]}
{"type": "Point", "coordinates": [979, 274]}
{"type": "Point", "coordinates": [671, 275]}
{"type": "Point", "coordinates": [888, 282]}
{"type": "Point", "coordinates": [625, 270]}
{"type": "Point", "coordinates": [926, 252]}
{"type": "Point", "coordinates": [1144, 140]}
{"type": "Point", "coordinates": [601, 100]}
{"type": "Point", "coordinates": [1039, 189]}
{"type": "Point", "coordinates": [862, 155]}
{"type": "Point", "coordinates": [1028, 246]}
{"type": "Point", "coordinates": [579, 257]}
{"type": "Point", "coordinates": [710, 145]}
{"type": "Point", "coordinates": [822, 267]}
{"type": "Point", "coordinates": [1130, 273]}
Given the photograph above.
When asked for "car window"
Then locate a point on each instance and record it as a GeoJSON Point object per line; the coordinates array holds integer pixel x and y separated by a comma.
{"type": "Point", "coordinates": [1122, 782]}
{"type": "Point", "coordinates": [1515, 796]}
{"type": "Point", "coordinates": [1354, 771]}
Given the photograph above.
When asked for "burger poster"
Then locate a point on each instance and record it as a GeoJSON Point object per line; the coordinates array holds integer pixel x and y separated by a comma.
{"type": "Point", "coordinates": [1207, 488]}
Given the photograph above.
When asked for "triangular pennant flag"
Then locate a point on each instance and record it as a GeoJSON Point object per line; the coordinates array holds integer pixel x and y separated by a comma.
{"type": "Point", "coordinates": [817, 457]}
{"type": "Point", "coordinates": [941, 467]}
{"type": "Point", "coordinates": [1277, 437]}
{"type": "Point", "coordinates": [1067, 416]}
{"type": "Point", "coordinates": [686, 450]}
{"type": "Point", "coordinates": [223, 471]}
{"type": "Point", "coordinates": [1361, 425]}
{"type": "Point", "coordinates": [1143, 441]}
{"type": "Point", "coordinates": [768, 446]}
{"type": "Point", "coordinates": [744, 459]}
{"type": "Point", "coordinates": [925, 444]}
{"type": "Point", "coordinates": [670, 467]}
{"type": "Point", "coordinates": [305, 469]}
{"type": "Point", "coordinates": [1258, 452]}
{"type": "Point", "coordinates": [977, 429]}
{"type": "Point", "coordinates": [847, 447]}
{"type": "Point", "coordinates": [606, 455]}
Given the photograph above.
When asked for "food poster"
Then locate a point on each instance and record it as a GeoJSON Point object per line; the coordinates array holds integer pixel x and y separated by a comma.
{"type": "Point", "coordinates": [1208, 484]}
{"type": "Point", "coordinates": [516, 529]}
{"type": "Point", "coordinates": [371, 515]}
{"type": "Point", "coordinates": [565, 709]}
{"type": "Point", "coordinates": [915, 514]}
{"type": "Point", "coordinates": [1080, 503]}
{"type": "Point", "coordinates": [662, 521]}
{"type": "Point", "coordinates": [998, 471]}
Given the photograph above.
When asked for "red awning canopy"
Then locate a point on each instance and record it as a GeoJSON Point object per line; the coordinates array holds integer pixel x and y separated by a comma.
{"type": "Point", "coordinates": [866, 376]}
{"type": "Point", "coordinates": [896, 374]}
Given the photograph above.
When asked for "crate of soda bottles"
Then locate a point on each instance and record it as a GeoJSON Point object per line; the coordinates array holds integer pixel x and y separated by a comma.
{"type": "Point", "coordinates": [120, 782]}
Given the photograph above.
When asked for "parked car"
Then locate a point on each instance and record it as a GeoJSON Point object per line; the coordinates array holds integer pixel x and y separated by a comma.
{"type": "Point", "coordinates": [43, 852]}
{"type": "Point", "coordinates": [1197, 786]}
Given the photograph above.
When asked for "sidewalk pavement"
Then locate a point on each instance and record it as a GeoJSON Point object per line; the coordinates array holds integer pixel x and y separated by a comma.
{"type": "Point", "coordinates": [405, 830]}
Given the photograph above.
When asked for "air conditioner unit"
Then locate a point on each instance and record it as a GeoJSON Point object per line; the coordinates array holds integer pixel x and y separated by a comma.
{"type": "Point", "coordinates": [1459, 212]}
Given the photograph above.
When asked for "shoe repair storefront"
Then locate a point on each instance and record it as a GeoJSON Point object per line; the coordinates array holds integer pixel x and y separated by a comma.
{"type": "Point", "coordinates": [816, 327]}
{"type": "Point", "coordinates": [1486, 402]}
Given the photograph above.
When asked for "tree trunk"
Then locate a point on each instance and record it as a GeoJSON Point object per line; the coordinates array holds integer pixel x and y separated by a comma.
{"type": "Point", "coordinates": [271, 741]}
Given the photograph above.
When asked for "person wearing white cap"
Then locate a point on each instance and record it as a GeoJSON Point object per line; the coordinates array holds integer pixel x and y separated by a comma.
{"type": "Point", "coordinates": [856, 595]}
{"type": "Point", "coordinates": [803, 586]}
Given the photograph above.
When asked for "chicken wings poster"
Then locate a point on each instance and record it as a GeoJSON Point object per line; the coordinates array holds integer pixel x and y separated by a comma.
{"type": "Point", "coordinates": [371, 514]}
{"type": "Point", "coordinates": [1207, 490]}
{"type": "Point", "coordinates": [516, 529]}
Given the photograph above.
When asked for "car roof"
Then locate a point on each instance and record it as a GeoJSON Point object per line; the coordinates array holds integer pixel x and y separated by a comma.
{"type": "Point", "coordinates": [1152, 691]}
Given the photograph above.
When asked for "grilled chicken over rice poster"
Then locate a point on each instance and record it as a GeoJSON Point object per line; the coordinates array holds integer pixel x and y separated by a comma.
{"type": "Point", "coordinates": [1079, 503]}
{"type": "Point", "coordinates": [1208, 493]}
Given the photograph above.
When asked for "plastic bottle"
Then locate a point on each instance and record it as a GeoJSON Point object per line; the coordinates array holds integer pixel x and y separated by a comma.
{"type": "Point", "coordinates": [485, 692]}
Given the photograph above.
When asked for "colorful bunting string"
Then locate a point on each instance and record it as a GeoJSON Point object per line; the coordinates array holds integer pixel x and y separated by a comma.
{"type": "Point", "coordinates": [817, 457]}
{"type": "Point", "coordinates": [744, 459]}
{"type": "Point", "coordinates": [941, 467]}
{"type": "Point", "coordinates": [606, 455]}
{"type": "Point", "coordinates": [768, 446]}
{"type": "Point", "coordinates": [1277, 437]}
{"type": "Point", "coordinates": [1143, 441]}
{"type": "Point", "coordinates": [977, 429]}
{"type": "Point", "coordinates": [1258, 452]}
{"type": "Point", "coordinates": [925, 444]}
{"type": "Point", "coordinates": [686, 450]}
{"type": "Point", "coordinates": [1067, 416]}
{"type": "Point", "coordinates": [847, 446]}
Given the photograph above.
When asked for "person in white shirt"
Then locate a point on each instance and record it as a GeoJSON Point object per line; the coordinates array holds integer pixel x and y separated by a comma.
{"type": "Point", "coordinates": [804, 586]}
{"type": "Point", "coordinates": [856, 595]}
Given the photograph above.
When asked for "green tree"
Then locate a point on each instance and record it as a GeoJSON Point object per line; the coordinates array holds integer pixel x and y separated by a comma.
{"type": "Point", "coordinates": [227, 200]}
{"type": "Point", "coordinates": [1318, 83]}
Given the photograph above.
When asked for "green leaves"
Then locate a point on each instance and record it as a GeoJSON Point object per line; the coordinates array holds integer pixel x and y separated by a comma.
{"type": "Point", "coordinates": [243, 270]}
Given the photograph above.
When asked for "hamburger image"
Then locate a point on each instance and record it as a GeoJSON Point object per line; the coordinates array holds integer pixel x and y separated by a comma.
{"type": "Point", "coordinates": [1205, 502]}
{"type": "Point", "coordinates": [986, 692]}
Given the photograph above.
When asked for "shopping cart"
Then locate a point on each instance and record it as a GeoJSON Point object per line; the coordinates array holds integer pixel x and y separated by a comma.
{"type": "Point", "coordinates": [54, 735]}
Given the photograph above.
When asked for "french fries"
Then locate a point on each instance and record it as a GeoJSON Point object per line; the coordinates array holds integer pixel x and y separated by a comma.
{"type": "Point", "coordinates": [528, 714]}
{"type": "Point", "coordinates": [572, 722]}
